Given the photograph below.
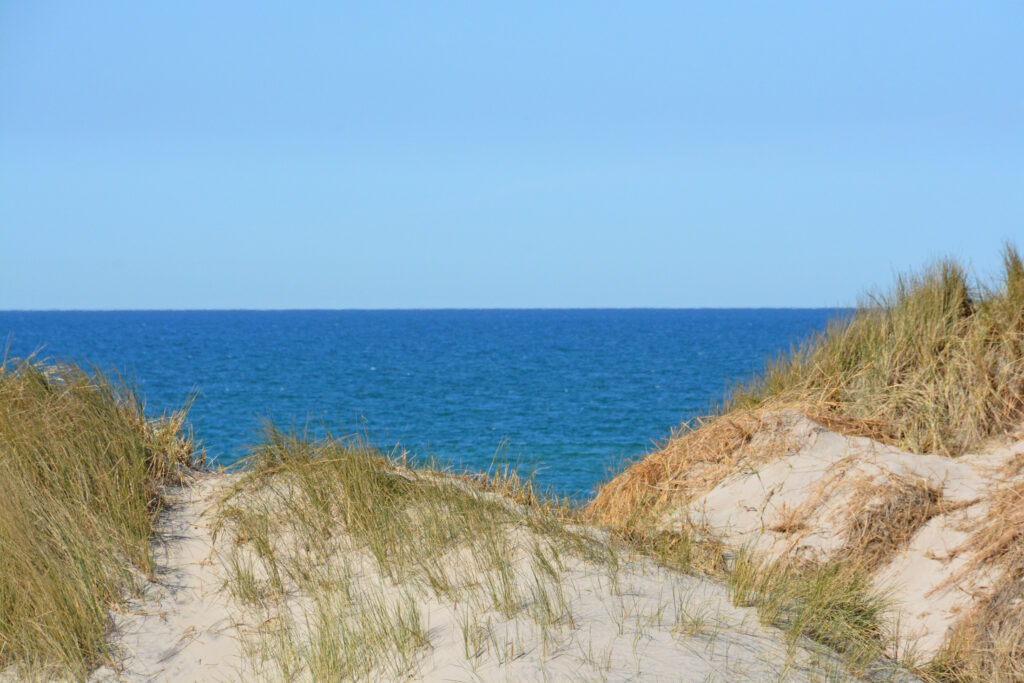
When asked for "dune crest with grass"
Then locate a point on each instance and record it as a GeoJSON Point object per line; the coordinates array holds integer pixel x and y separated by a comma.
{"type": "Point", "coordinates": [887, 451]}
{"type": "Point", "coordinates": [327, 560]}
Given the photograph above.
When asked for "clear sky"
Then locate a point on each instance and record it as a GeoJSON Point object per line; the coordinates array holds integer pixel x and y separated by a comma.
{"type": "Point", "coordinates": [481, 154]}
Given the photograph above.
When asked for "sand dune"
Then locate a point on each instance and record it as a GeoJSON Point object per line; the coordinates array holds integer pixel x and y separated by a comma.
{"type": "Point", "coordinates": [640, 623]}
{"type": "Point", "coordinates": [926, 528]}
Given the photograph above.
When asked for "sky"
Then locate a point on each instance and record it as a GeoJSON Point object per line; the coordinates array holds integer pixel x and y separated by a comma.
{"type": "Point", "coordinates": [501, 155]}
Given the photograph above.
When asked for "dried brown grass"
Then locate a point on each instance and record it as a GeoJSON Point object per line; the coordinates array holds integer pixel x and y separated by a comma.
{"type": "Point", "coordinates": [888, 515]}
{"type": "Point", "coordinates": [692, 463]}
{"type": "Point", "coordinates": [988, 644]}
{"type": "Point", "coordinates": [935, 365]}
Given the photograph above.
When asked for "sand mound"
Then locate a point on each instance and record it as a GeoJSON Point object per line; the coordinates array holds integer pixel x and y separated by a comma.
{"type": "Point", "coordinates": [626, 620]}
{"type": "Point", "coordinates": [940, 536]}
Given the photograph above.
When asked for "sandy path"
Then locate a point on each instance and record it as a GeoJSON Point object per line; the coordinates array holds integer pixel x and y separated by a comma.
{"type": "Point", "coordinates": [185, 628]}
{"type": "Point", "coordinates": [182, 627]}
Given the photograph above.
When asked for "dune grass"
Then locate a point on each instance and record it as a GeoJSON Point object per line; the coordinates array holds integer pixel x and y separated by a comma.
{"type": "Point", "coordinates": [336, 548]}
{"type": "Point", "coordinates": [832, 604]}
{"type": "Point", "coordinates": [322, 523]}
{"type": "Point", "coordinates": [935, 365]}
{"type": "Point", "coordinates": [80, 467]}
{"type": "Point", "coordinates": [989, 644]}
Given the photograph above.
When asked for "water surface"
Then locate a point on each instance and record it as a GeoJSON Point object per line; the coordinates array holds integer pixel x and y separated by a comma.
{"type": "Point", "coordinates": [572, 393]}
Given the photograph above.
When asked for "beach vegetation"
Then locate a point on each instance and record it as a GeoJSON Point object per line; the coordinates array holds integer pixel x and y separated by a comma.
{"type": "Point", "coordinates": [81, 466]}
{"type": "Point", "coordinates": [934, 365]}
{"type": "Point", "coordinates": [334, 525]}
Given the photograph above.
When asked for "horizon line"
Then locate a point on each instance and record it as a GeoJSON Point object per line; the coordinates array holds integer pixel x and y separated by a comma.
{"type": "Point", "coordinates": [430, 309]}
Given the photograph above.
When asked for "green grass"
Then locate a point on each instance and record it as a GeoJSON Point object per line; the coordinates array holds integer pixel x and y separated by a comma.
{"type": "Point", "coordinates": [80, 468]}
{"type": "Point", "coordinates": [334, 548]}
{"type": "Point", "coordinates": [832, 604]}
{"type": "Point", "coordinates": [356, 539]}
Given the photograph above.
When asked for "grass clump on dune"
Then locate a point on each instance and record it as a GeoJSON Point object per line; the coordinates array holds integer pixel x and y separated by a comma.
{"type": "Point", "coordinates": [79, 469]}
{"type": "Point", "coordinates": [832, 604]}
{"type": "Point", "coordinates": [989, 645]}
{"type": "Point", "coordinates": [936, 365]}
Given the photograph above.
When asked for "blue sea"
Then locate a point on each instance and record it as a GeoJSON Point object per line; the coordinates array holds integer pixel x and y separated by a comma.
{"type": "Point", "coordinates": [570, 395]}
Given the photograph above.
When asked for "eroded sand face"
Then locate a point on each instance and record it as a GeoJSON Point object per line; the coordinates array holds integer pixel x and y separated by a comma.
{"type": "Point", "coordinates": [803, 505]}
{"type": "Point", "coordinates": [642, 623]}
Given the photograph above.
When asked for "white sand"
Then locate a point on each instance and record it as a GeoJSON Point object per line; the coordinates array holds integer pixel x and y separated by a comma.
{"type": "Point", "coordinates": [182, 629]}
{"type": "Point", "coordinates": [817, 484]}
{"type": "Point", "coordinates": [649, 624]}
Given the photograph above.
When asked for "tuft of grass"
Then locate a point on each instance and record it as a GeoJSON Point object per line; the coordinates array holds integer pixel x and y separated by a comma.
{"type": "Point", "coordinates": [989, 643]}
{"type": "Point", "coordinates": [697, 458]}
{"type": "Point", "coordinates": [889, 516]}
{"type": "Point", "coordinates": [80, 468]}
{"type": "Point", "coordinates": [831, 604]}
{"type": "Point", "coordinates": [935, 365]}
{"type": "Point", "coordinates": [347, 644]}
{"type": "Point", "coordinates": [683, 550]}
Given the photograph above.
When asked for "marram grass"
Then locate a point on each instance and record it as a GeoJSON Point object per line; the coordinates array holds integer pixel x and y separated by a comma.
{"type": "Point", "coordinates": [935, 365]}
{"type": "Point", "coordinates": [310, 518]}
{"type": "Point", "coordinates": [320, 518]}
{"type": "Point", "coordinates": [80, 467]}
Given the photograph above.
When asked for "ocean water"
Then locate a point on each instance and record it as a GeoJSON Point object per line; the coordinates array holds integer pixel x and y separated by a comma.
{"type": "Point", "coordinates": [570, 395]}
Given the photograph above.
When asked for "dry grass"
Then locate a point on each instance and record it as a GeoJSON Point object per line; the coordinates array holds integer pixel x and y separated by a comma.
{"type": "Point", "coordinates": [936, 365]}
{"type": "Point", "coordinates": [692, 463]}
{"type": "Point", "coordinates": [989, 644]}
{"type": "Point", "coordinates": [80, 467]}
{"type": "Point", "coordinates": [889, 514]}
{"type": "Point", "coordinates": [1002, 539]}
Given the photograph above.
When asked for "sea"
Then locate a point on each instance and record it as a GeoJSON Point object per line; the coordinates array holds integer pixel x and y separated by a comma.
{"type": "Point", "coordinates": [567, 396]}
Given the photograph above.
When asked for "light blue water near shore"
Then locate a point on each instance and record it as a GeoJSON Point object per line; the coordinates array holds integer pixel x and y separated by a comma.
{"type": "Point", "coordinates": [573, 393]}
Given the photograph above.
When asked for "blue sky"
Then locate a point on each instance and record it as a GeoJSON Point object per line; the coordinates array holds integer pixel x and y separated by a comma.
{"type": "Point", "coordinates": [469, 154]}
